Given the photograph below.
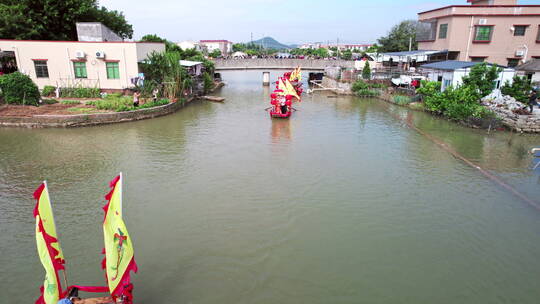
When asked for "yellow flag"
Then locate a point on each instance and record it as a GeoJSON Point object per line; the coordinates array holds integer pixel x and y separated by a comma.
{"type": "Point", "coordinates": [290, 89]}
{"type": "Point", "coordinates": [49, 251]}
{"type": "Point", "coordinates": [119, 257]}
{"type": "Point", "coordinates": [299, 74]}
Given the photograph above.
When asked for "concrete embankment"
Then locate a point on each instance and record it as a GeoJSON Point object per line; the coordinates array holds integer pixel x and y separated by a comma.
{"type": "Point", "coordinates": [518, 123]}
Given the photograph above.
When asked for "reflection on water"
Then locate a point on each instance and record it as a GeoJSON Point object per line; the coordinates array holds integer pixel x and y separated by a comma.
{"type": "Point", "coordinates": [342, 203]}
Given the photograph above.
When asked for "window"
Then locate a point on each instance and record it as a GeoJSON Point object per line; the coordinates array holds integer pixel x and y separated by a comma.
{"type": "Point", "coordinates": [519, 30]}
{"type": "Point", "coordinates": [513, 62]}
{"type": "Point", "coordinates": [447, 83]}
{"type": "Point", "coordinates": [443, 30]}
{"type": "Point", "coordinates": [478, 59]}
{"type": "Point", "coordinates": [113, 72]}
{"type": "Point", "coordinates": [538, 35]}
{"type": "Point", "coordinates": [80, 69]}
{"type": "Point", "coordinates": [483, 33]}
{"type": "Point", "coordinates": [41, 68]}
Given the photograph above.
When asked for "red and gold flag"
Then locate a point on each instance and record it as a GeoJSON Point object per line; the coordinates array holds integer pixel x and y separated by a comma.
{"type": "Point", "coordinates": [119, 258]}
{"type": "Point", "coordinates": [49, 251]}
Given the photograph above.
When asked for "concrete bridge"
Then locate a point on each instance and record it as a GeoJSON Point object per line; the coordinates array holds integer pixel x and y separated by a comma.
{"type": "Point", "coordinates": [279, 64]}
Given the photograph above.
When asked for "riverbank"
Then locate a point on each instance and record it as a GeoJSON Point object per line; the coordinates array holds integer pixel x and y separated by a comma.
{"type": "Point", "coordinates": [60, 115]}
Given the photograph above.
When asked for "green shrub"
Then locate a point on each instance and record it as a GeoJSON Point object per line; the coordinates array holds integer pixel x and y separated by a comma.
{"type": "Point", "coordinates": [80, 92]}
{"type": "Point", "coordinates": [359, 85]}
{"type": "Point", "coordinates": [48, 90]}
{"type": "Point", "coordinates": [111, 103]}
{"type": "Point", "coordinates": [457, 103]}
{"type": "Point", "coordinates": [156, 103]}
{"type": "Point", "coordinates": [366, 72]}
{"type": "Point", "coordinates": [70, 102]}
{"type": "Point", "coordinates": [519, 89]}
{"type": "Point", "coordinates": [17, 88]}
{"type": "Point", "coordinates": [402, 100]}
{"type": "Point", "coordinates": [368, 93]}
{"type": "Point", "coordinates": [208, 82]}
{"type": "Point", "coordinates": [125, 108]}
{"type": "Point", "coordinates": [482, 78]}
{"type": "Point", "coordinates": [429, 88]}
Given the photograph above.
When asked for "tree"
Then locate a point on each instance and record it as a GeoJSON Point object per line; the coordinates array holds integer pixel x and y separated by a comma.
{"type": "Point", "coordinates": [373, 49]}
{"type": "Point", "coordinates": [482, 78]}
{"type": "Point", "coordinates": [346, 55]}
{"type": "Point", "coordinates": [55, 20]}
{"type": "Point", "coordinates": [519, 89]}
{"type": "Point", "coordinates": [399, 37]}
{"type": "Point", "coordinates": [321, 52]}
{"type": "Point", "coordinates": [17, 88]}
{"type": "Point", "coordinates": [215, 53]}
{"type": "Point", "coordinates": [366, 72]}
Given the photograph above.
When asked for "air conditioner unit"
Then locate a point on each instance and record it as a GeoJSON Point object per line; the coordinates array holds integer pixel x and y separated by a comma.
{"type": "Point", "coordinates": [520, 53]}
{"type": "Point", "coordinates": [80, 54]}
{"type": "Point", "coordinates": [100, 54]}
{"type": "Point", "coordinates": [482, 21]}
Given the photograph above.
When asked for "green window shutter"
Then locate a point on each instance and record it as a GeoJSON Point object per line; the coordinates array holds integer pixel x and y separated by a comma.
{"type": "Point", "coordinates": [113, 70]}
{"type": "Point", "coordinates": [80, 69]}
{"type": "Point", "coordinates": [483, 33]}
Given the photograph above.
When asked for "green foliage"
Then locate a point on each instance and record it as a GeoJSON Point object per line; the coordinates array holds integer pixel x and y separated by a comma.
{"type": "Point", "coordinates": [373, 49]}
{"type": "Point", "coordinates": [17, 88]}
{"type": "Point", "coordinates": [359, 85]}
{"type": "Point", "coordinates": [70, 102]}
{"type": "Point", "coordinates": [398, 38]}
{"type": "Point", "coordinates": [111, 103]}
{"type": "Point", "coordinates": [519, 89]}
{"type": "Point", "coordinates": [482, 78]}
{"type": "Point", "coordinates": [80, 92]}
{"type": "Point", "coordinates": [48, 90]}
{"type": "Point", "coordinates": [346, 55]}
{"type": "Point", "coordinates": [55, 20]}
{"type": "Point", "coordinates": [457, 103]}
{"type": "Point", "coordinates": [367, 93]}
{"type": "Point", "coordinates": [402, 100]}
{"type": "Point", "coordinates": [215, 53]}
{"type": "Point", "coordinates": [151, 104]}
{"type": "Point", "coordinates": [366, 71]}
{"type": "Point", "coordinates": [126, 107]}
{"type": "Point", "coordinates": [429, 88]}
{"type": "Point", "coordinates": [164, 68]}
{"type": "Point", "coordinates": [208, 82]}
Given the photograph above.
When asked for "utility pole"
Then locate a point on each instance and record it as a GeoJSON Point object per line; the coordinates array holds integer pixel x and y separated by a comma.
{"type": "Point", "coordinates": [410, 44]}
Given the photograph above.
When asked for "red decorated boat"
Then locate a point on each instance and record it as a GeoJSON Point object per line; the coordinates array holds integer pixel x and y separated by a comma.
{"type": "Point", "coordinates": [281, 105]}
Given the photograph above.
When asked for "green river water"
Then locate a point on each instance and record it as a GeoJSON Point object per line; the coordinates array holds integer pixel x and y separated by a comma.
{"type": "Point", "coordinates": [343, 203]}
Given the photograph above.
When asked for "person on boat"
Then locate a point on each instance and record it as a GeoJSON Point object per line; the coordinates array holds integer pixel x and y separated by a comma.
{"type": "Point", "coordinates": [283, 104]}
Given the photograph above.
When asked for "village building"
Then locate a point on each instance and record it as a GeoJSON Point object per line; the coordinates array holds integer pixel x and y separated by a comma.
{"type": "Point", "coordinates": [497, 31]}
{"type": "Point", "coordinates": [186, 45]}
{"type": "Point", "coordinates": [451, 73]}
{"type": "Point", "coordinates": [97, 60]}
{"type": "Point", "coordinates": [224, 46]}
{"type": "Point", "coordinates": [531, 70]}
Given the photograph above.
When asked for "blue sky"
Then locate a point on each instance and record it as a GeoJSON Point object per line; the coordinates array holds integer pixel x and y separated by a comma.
{"type": "Point", "coordinates": [288, 21]}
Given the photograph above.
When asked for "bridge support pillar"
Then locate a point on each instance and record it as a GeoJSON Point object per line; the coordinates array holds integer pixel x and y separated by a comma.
{"type": "Point", "coordinates": [266, 78]}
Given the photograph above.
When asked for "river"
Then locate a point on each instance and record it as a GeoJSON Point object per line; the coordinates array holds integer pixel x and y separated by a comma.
{"type": "Point", "coordinates": [343, 203]}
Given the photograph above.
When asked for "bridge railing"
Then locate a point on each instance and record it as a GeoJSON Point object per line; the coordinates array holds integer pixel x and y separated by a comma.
{"type": "Point", "coordinates": [284, 63]}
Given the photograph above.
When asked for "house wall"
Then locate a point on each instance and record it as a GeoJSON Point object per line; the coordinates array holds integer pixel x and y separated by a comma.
{"type": "Point", "coordinates": [455, 78]}
{"type": "Point", "coordinates": [60, 56]}
{"type": "Point", "coordinates": [462, 21]}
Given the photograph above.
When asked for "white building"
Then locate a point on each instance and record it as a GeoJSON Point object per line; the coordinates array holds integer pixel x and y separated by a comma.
{"type": "Point", "coordinates": [224, 46]}
{"type": "Point", "coordinates": [92, 62]}
{"type": "Point", "coordinates": [186, 45]}
{"type": "Point", "coordinates": [450, 73]}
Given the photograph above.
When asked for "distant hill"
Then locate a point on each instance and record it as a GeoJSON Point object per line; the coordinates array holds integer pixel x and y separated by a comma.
{"type": "Point", "coordinates": [271, 43]}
